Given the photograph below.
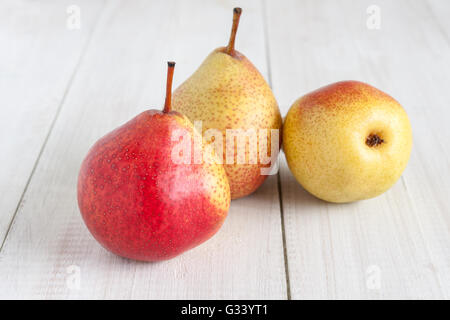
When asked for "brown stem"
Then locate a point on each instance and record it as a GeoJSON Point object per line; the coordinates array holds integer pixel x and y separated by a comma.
{"type": "Point", "coordinates": [236, 15]}
{"type": "Point", "coordinates": [168, 102]}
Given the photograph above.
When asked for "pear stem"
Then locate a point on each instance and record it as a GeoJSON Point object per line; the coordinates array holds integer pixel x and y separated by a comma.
{"type": "Point", "coordinates": [168, 102]}
{"type": "Point", "coordinates": [236, 15]}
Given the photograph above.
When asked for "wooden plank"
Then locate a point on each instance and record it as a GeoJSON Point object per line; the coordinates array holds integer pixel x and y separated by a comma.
{"type": "Point", "coordinates": [402, 237]}
{"type": "Point", "coordinates": [38, 57]}
{"type": "Point", "coordinates": [121, 74]}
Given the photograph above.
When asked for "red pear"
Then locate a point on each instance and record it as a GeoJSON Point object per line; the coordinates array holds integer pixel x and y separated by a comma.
{"type": "Point", "coordinates": [141, 204]}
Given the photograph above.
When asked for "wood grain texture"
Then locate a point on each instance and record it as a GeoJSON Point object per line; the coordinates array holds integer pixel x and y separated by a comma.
{"type": "Point", "coordinates": [121, 74]}
{"type": "Point", "coordinates": [38, 58]}
{"type": "Point", "coordinates": [334, 250]}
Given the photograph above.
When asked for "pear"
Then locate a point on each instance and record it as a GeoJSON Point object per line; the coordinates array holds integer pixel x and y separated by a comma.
{"type": "Point", "coordinates": [347, 141]}
{"type": "Point", "coordinates": [138, 200]}
{"type": "Point", "coordinates": [228, 93]}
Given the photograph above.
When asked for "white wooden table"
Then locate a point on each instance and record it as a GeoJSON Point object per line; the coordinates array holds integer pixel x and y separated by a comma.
{"type": "Point", "coordinates": [61, 88]}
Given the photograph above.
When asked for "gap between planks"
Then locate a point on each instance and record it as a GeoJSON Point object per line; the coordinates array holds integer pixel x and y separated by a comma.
{"type": "Point", "coordinates": [280, 196]}
{"type": "Point", "coordinates": [52, 125]}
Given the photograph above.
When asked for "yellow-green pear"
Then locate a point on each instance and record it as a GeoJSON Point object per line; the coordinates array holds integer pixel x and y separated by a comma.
{"type": "Point", "coordinates": [347, 141]}
{"type": "Point", "coordinates": [227, 92]}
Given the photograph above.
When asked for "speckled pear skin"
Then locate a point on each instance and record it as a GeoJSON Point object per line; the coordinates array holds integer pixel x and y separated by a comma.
{"type": "Point", "coordinates": [141, 205]}
{"type": "Point", "coordinates": [228, 92]}
{"type": "Point", "coordinates": [325, 139]}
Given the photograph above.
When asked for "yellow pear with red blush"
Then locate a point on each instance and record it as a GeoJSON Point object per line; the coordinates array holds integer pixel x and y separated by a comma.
{"type": "Point", "coordinates": [227, 93]}
{"type": "Point", "coordinates": [347, 141]}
